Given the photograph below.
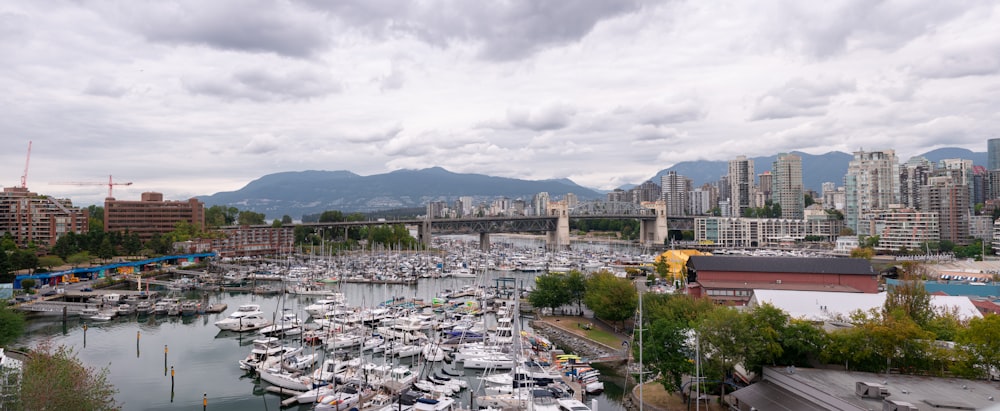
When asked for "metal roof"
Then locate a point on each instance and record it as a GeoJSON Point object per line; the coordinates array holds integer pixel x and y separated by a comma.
{"type": "Point", "coordinates": [806, 265]}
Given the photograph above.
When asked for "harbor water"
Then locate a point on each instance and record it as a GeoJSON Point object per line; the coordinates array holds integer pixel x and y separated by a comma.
{"type": "Point", "coordinates": [171, 363]}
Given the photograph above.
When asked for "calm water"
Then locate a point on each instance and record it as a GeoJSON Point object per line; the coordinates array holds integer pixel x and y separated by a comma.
{"type": "Point", "coordinates": [205, 359]}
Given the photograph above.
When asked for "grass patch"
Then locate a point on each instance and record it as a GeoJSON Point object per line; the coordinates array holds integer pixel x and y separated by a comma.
{"type": "Point", "coordinates": [603, 337]}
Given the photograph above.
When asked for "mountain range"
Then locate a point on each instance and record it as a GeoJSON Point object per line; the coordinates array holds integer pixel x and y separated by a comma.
{"type": "Point", "coordinates": [311, 192]}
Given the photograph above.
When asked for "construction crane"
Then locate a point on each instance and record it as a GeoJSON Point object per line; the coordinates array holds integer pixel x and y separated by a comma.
{"type": "Point", "coordinates": [111, 183]}
{"type": "Point", "coordinates": [24, 177]}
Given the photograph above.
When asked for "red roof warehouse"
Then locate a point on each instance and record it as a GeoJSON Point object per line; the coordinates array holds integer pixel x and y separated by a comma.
{"type": "Point", "coordinates": [731, 280]}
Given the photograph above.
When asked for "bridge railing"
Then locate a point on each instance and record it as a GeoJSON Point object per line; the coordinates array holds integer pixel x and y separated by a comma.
{"type": "Point", "coordinates": [611, 208]}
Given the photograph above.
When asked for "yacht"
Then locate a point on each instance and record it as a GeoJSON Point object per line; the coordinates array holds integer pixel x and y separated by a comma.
{"type": "Point", "coordinates": [248, 322]}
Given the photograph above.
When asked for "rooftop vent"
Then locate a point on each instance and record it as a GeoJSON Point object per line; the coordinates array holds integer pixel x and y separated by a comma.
{"type": "Point", "coordinates": [890, 405]}
{"type": "Point", "coordinates": [871, 390]}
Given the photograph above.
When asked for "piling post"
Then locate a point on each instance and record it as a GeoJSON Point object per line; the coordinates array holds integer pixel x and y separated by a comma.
{"type": "Point", "coordinates": [164, 360]}
{"type": "Point", "coordinates": [204, 401]}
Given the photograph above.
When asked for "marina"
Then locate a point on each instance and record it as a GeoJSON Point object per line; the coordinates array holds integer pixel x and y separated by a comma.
{"type": "Point", "coordinates": [143, 350]}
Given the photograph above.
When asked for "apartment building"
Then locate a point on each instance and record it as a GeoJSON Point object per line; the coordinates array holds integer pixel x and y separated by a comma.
{"type": "Point", "coordinates": [33, 218]}
{"type": "Point", "coordinates": [871, 183]}
{"type": "Point", "coordinates": [900, 228]}
{"type": "Point", "coordinates": [787, 189]}
{"type": "Point", "coordinates": [739, 232]}
{"type": "Point", "coordinates": [151, 215]}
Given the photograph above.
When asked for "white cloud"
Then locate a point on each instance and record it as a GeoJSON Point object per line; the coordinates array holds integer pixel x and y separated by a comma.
{"type": "Point", "coordinates": [603, 92]}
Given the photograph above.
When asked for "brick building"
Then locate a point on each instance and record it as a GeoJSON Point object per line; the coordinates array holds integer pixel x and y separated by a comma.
{"type": "Point", "coordinates": [151, 215]}
{"type": "Point", "coordinates": [34, 218]}
{"type": "Point", "coordinates": [731, 280]}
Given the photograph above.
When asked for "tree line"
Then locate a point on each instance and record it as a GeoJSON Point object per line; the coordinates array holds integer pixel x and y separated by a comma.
{"type": "Point", "coordinates": [907, 334]}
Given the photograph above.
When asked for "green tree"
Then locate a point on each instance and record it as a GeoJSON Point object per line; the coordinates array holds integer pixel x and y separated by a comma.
{"type": "Point", "coordinates": [55, 379]}
{"type": "Point", "coordinates": [11, 325]}
{"type": "Point", "coordinates": [286, 219]}
{"type": "Point", "coordinates": [863, 252]}
{"type": "Point", "coordinates": [723, 340]}
{"type": "Point", "coordinates": [666, 352]}
{"type": "Point", "coordinates": [611, 298]}
{"type": "Point", "coordinates": [763, 346]}
{"type": "Point", "coordinates": [576, 285]}
{"type": "Point", "coordinates": [28, 284]}
{"type": "Point", "coordinates": [50, 261]}
{"type": "Point", "coordinates": [131, 244]}
{"type": "Point", "coordinates": [106, 251]}
{"type": "Point", "coordinates": [550, 292]}
{"type": "Point", "coordinates": [276, 223]}
{"type": "Point", "coordinates": [247, 217]}
{"type": "Point", "coordinates": [979, 346]}
{"type": "Point", "coordinates": [801, 341]}
{"type": "Point", "coordinates": [684, 308]}
{"type": "Point", "coordinates": [808, 200]}
{"type": "Point", "coordinates": [910, 296]}
{"type": "Point", "coordinates": [79, 258]}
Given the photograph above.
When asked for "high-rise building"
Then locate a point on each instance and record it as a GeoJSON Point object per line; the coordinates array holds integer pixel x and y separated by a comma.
{"type": "Point", "coordinates": [571, 200]}
{"type": "Point", "coordinates": [540, 203]}
{"type": "Point", "coordinates": [944, 196]}
{"type": "Point", "coordinates": [961, 172]}
{"type": "Point", "coordinates": [833, 196]}
{"type": "Point", "coordinates": [980, 185]}
{"type": "Point", "coordinates": [39, 219]}
{"type": "Point", "coordinates": [151, 215]}
{"type": "Point", "coordinates": [913, 175]}
{"type": "Point", "coordinates": [788, 186]}
{"type": "Point", "coordinates": [467, 205]}
{"type": "Point", "coordinates": [741, 185]}
{"type": "Point", "coordinates": [871, 184]}
{"type": "Point", "coordinates": [699, 201]}
{"type": "Point", "coordinates": [993, 154]}
{"type": "Point", "coordinates": [675, 188]}
{"type": "Point", "coordinates": [765, 188]}
{"type": "Point", "coordinates": [645, 192]}
{"type": "Point", "coordinates": [616, 195]}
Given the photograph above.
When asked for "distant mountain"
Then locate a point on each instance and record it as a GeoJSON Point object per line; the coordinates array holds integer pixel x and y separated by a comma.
{"type": "Point", "coordinates": [312, 192]}
{"type": "Point", "coordinates": [979, 159]}
{"type": "Point", "coordinates": [816, 169]}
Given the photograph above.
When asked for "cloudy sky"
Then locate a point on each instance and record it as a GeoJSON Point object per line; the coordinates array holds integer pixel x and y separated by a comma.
{"type": "Point", "coordinates": [196, 97]}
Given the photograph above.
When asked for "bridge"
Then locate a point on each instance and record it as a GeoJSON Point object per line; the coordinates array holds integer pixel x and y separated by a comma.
{"type": "Point", "coordinates": [653, 222]}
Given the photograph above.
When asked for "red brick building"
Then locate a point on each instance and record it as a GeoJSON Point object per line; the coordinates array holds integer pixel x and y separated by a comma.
{"type": "Point", "coordinates": [731, 280]}
{"type": "Point", "coordinates": [151, 215]}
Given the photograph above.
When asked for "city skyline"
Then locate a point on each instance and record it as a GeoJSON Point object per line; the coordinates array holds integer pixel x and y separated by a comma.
{"type": "Point", "coordinates": [187, 98]}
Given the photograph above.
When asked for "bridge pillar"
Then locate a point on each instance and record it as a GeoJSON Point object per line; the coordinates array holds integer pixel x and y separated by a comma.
{"type": "Point", "coordinates": [484, 242]}
{"type": "Point", "coordinates": [558, 239]}
{"type": "Point", "coordinates": [424, 230]}
{"type": "Point", "coordinates": [655, 231]}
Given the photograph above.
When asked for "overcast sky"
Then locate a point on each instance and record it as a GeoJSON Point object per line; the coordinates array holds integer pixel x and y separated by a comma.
{"type": "Point", "coordinates": [196, 97]}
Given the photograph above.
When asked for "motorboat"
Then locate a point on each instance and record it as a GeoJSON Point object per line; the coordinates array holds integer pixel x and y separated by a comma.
{"type": "Point", "coordinates": [288, 324]}
{"type": "Point", "coordinates": [163, 306]}
{"type": "Point", "coordinates": [243, 323]}
{"type": "Point", "coordinates": [190, 307]}
{"type": "Point", "coordinates": [334, 369]}
{"type": "Point", "coordinates": [245, 310]}
{"type": "Point", "coordinates": [125, 309]}
{"type": "Point", "coordinates": [321, 306]}
{"type": "Point", "coordinates": [143, 307]}
{"type": "Point", "coordinates": [543, 400]}
{"type": "Point", "coordinates": [339, 341]}
{"type": "Point", "coordinates": [266, 353]}
{"type": "Point", "coordinates": [344, 398]}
